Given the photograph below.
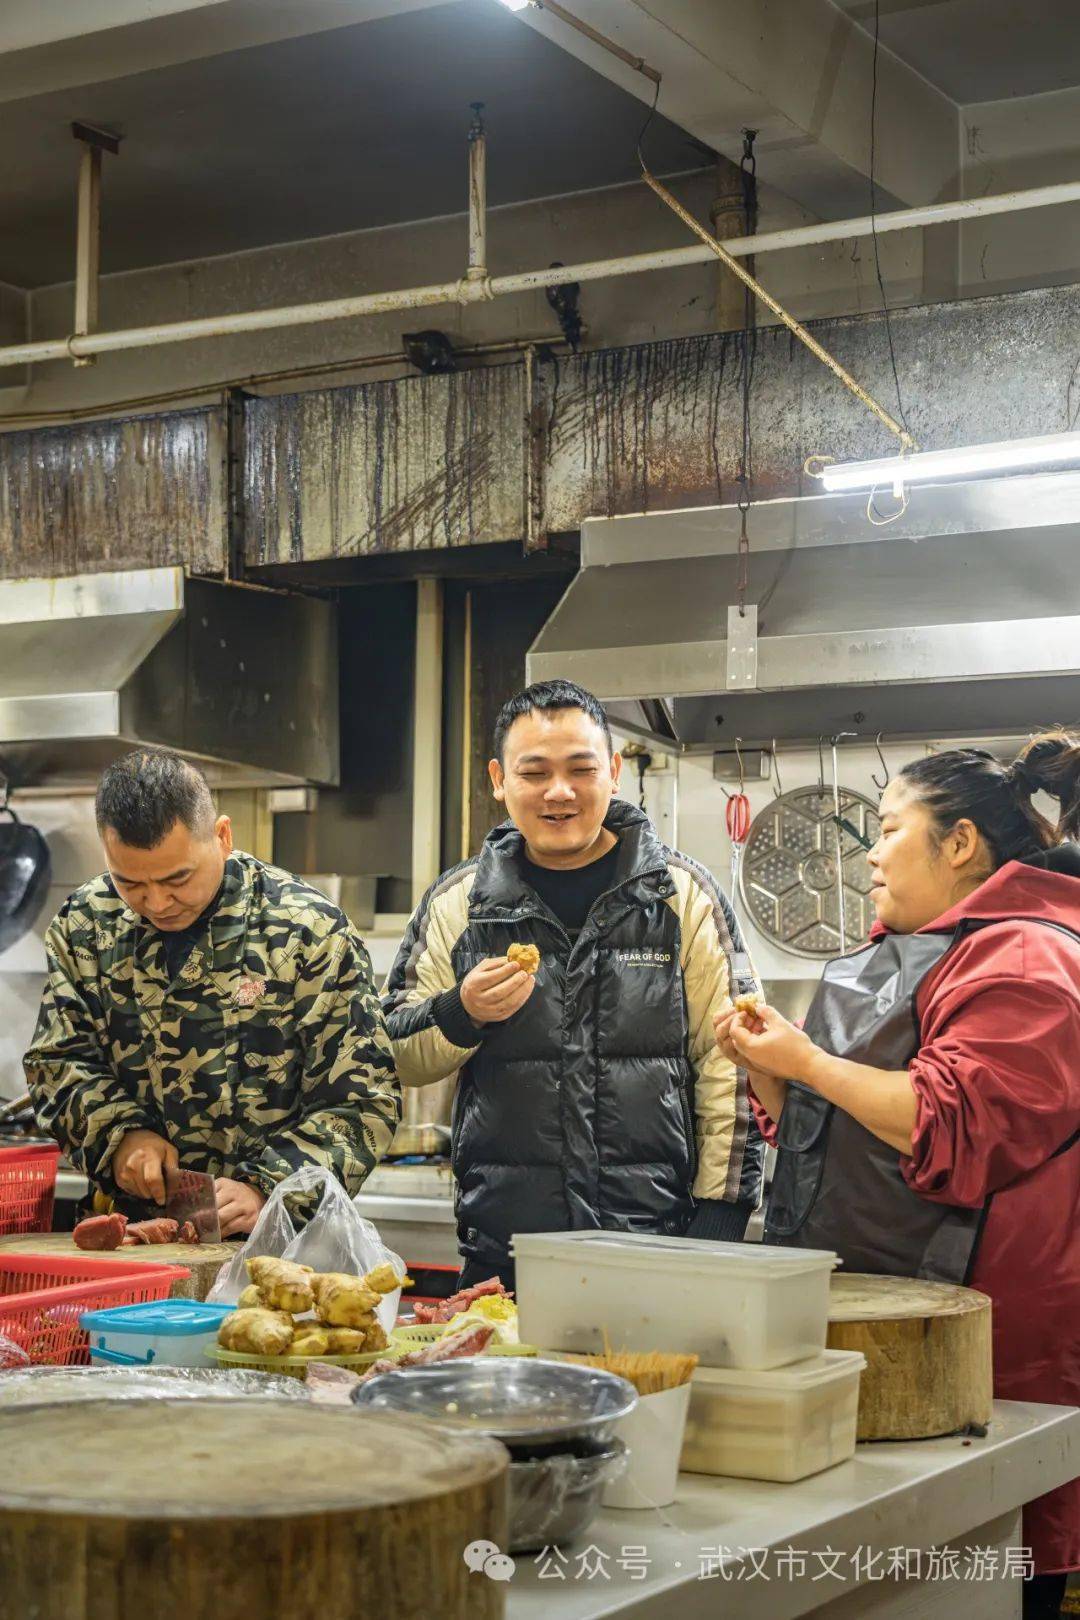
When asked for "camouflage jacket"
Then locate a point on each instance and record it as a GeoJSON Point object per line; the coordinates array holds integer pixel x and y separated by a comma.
{"type": "Point", "coordinates": [267, 1052]}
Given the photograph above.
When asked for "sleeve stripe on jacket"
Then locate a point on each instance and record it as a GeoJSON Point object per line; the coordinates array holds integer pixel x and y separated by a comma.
{"type": "Point", "coordinates": [742, 1178]}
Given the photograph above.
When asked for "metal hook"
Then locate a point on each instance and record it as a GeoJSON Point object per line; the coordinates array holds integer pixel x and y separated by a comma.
{"type": "Point", "coordinates": [881, 786]}
{"type": "Point", "coordinates": [742, 771]}
{"type": "Point", "coordinates": [821, 764]}
{"type": "Point", "coordinates": [776, 770]}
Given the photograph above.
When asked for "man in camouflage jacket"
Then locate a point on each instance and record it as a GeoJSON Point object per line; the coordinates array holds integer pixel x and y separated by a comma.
{"type": "Point", "coordinates": [264, 1052]}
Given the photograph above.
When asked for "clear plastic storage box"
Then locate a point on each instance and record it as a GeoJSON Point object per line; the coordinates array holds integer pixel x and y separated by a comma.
{"type": "Point", "coordinates": [732, 1304]}
{"type": "Point", "coordinates": [777, 1425]}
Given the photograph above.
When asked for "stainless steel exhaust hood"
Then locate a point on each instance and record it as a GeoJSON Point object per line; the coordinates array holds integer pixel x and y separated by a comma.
{"type": "Point", "coordinates": [245, 680]}
{"type": "Point", "coordinates": [962, 616]}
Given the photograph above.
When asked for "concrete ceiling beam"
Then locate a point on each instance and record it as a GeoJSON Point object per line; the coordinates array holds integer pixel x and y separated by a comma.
{"type": "Point", "coordinates": [798, 71]}
{"type": "Point", "coordinates": [141, 35]}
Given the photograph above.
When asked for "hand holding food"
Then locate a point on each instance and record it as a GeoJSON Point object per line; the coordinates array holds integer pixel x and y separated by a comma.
{"type": "Point", "coordinates": [526, 957]}
{"type": "Point", "coordinates": [282, 1283]}
{"type": "Point", "coordinates": [495, 990]}
{"type": "Point", "coordinates": [771, 1045]}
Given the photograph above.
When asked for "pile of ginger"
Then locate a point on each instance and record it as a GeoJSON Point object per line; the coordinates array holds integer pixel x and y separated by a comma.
{"type": "Point", "coordinates": [273, 1313]}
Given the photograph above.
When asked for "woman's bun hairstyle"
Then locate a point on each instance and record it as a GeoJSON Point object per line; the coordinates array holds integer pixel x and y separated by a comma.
{"type": "Point", "coordinates": [1050, 763]}
{"type": "Point", "coordinates": [972, 784]}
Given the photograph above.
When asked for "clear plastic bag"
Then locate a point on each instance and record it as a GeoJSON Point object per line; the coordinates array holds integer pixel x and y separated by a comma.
{"type": "Point", "coordinates": [38, 1386]}
{"type": "Point", "coordinates": [336, 1238]}
{"type": "Point", "coordinates": [12, 1355]}
{"type": "Point", "coordinates": [554, 1498]}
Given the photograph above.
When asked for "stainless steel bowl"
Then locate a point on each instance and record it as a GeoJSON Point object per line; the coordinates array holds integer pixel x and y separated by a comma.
{"type": "Point", "coordinates": [521, 1402]}
{"type": "Point", "coordinates": [554, 1499]}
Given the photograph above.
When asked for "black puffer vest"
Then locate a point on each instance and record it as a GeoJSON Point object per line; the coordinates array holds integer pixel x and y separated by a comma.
{"type": "Point", "coordinates": [579, 1110]}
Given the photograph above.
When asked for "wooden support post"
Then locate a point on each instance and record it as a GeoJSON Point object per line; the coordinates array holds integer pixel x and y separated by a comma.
{"type": "Point", "coordinates": [88, 230]}
{"type": "Point", "coordinates": [728, 221]}
{"type": "Point", "coordinates": [427, 737]}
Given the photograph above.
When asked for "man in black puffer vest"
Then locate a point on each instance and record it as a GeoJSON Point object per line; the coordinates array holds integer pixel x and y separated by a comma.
{"type": "Point", "coordinates": [591, 1094]}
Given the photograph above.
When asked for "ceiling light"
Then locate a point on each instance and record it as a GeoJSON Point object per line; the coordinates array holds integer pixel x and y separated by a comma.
{"type": "Point", "coordinates": [1053, 451]}
{"type": "Point", "coordinates": [517, 5]}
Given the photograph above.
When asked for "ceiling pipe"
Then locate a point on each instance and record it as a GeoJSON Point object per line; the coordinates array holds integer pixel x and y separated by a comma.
{"type": "Point", "coordinates": [477, 270]}
{"type": "Point", "coordinates": [479, 289]}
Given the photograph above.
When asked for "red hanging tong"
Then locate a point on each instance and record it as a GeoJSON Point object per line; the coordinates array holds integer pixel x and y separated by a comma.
{"type": "Point", "coordinates": [737, 814]}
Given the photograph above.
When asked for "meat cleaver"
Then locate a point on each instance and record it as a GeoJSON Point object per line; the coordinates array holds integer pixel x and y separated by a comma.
{"type": "Point", "coordinates": [189, 1196]}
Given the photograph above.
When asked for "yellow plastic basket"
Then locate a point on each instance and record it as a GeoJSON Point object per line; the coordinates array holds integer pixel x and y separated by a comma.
{"type": "Point", "coordinates": [410, 1335]}
{"type": "Point", "coordinates": [297, 1366]}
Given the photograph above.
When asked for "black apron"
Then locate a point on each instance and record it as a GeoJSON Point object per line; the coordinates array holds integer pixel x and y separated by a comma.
{"type": "Point", "coordinates": [837, 1185]}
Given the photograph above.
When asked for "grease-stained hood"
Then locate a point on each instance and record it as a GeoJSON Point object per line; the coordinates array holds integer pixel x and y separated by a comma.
{"type": "Point", "coordinates": [243, 679]}
{"type": "Point", "coordinates": [962, 616]}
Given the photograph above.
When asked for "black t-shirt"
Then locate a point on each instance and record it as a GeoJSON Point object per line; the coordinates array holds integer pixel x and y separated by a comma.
{"type": "Point", "coordinates": [179, 943]}
{"type": "Point", "coordinates": [572, 894]}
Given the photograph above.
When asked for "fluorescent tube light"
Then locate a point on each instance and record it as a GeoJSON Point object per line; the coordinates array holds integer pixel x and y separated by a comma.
{"type": "Point", "coordinates": [1053, 451]}
{"type": "Point", "coordinates": [517, 5]}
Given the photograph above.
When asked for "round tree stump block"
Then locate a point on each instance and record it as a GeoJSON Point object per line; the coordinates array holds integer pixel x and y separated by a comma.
{"type": "Point", "coordinates": [928, 1349]}
{"type": "Point", "coordinates": [168, 1510]}
{"type": "Point", "coordinates": [203, 1260]}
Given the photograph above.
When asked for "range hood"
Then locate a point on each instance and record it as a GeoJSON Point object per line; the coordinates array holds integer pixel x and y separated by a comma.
{"type": "Point", "coordinates": [961, 617]}
{"type": "Point", "coordinates": [244, 680]}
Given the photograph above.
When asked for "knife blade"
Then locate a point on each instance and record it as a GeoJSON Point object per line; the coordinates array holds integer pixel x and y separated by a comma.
{"type": "Point", "coordinates": [190, 1196]}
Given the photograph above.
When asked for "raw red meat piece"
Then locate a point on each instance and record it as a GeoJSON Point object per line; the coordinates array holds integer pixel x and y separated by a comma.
{"type": "Point", "coordinates": [100, 1232]}
{"type": "Point", "coordinates": [159, 1230]}
{"type": "Point", "coordinates": [469, 1342]}
{"type": "Point", "coordinates": [188, 1233]}
{"type": "Point", "coordinates": [446, 1308]}
{"type": "Point", "coordinates": [329, 1385]}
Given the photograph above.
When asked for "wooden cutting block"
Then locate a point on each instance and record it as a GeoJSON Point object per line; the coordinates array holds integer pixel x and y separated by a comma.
{"type": "Point", "coordinates": [203, 1260]}
{"type": "Point", "coordinates": [928, 1349]}
{"type": "Point", "coordinates": [191, 1510]}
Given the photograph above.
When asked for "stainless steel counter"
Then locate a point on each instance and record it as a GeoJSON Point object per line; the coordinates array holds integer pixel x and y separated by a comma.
{"type": "Point", "coordinates": [854, 1540]}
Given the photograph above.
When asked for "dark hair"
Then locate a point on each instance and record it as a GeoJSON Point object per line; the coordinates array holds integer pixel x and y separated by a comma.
{"type": "Point", "coordinates": [142, 796]}
{"type": "Point", "coordinates": [547, 696]}
{"type": "Point", "coordinates": [970, 784]}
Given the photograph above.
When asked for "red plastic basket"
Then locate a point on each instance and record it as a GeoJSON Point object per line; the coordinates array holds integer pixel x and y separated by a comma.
{"type": "Point", "coordinates": [43, 1296]}
{"type": "Point", "coordinates": [27, 1186]}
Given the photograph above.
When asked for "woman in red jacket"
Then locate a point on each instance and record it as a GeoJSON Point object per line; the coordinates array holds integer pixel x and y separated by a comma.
{"type": "Point", "coordinates": [927, 1118]}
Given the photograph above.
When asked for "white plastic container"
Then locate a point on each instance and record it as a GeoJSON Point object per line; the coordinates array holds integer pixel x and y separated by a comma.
{"type": "Point", "coordinates": [159, 1333]}
{"type": "Point", "coordinates": [781, 1425]}
{"type": "Point", "coordinates": [732, 1304]}
{"type": "Point", "coordinates": [654, 1433]}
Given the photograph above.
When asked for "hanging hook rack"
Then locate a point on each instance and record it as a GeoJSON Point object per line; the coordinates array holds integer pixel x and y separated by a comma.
{"type": "Point", "coordinates": [881, 786]}
{"type": "Point", "coordinates": [742, 768]}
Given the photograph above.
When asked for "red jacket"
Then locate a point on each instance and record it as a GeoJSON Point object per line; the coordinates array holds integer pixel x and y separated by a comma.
{"type": "Point", "coordinates": [997, 1085]}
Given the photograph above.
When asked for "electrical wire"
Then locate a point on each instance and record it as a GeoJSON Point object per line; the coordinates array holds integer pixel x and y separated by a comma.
{"type": "Point", "coordinates": [645, 126]}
